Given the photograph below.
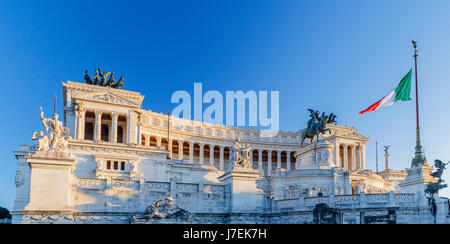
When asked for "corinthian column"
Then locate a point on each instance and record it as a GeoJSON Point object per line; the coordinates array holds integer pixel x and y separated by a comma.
{"type": "Point", "coordinates": [278, 159]}
{"type": "Point", "coordinates": [191, 152]}
{"type": "Point", "coordinates": [221, 157]}
{"type": "Point", "coordinates": [288, 160]}
{"type": "Point", "coordinates": [260, 168]}
{"type": "Point", "coordinates": [180, 150]}
{"type": "Point", "coordinates": [201, 147]}
{"type": "Point", "coordinates": [114, 116]}
{"type": "Point", "coordinates": [251, 158]}
{"type": "Point", "coordinates": [98, 125]}
{"type": "Point", "coordinates": [345, 157]}
{"type": "Point", "coordinates": [269, 163]}
{"type": "Point", "coordinates": [353, 157]}
{"type": "Point", "coordinates": [80, 125]}
{"type": "Point", "coordinates": [211, 155]}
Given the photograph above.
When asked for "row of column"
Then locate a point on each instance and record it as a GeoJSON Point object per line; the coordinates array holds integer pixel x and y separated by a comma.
{"type": "Point", "coordinates": [352, 156]}
{"type": "Point", "coordinates": [81, 120]}
{"type": "Point", "coordinates": [180, 155]}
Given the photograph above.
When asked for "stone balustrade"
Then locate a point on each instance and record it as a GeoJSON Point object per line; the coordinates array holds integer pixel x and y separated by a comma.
{"type": "Point", "coordinates": [346, 201]}
{"type": "Point", "coordinates": [161, 187]}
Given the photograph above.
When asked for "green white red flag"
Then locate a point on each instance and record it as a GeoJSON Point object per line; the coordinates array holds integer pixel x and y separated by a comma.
{"type": "Point", "coordinates": [402, 92]}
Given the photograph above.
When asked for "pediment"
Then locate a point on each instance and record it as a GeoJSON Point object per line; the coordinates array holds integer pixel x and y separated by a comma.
{"type": "Point", "coordinates": [106, 97]}
{"type": "Point", "coordinates": [355, 135]}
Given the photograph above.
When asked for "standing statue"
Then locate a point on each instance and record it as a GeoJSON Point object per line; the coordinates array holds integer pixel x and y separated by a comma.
{"type": "Point", "coordinates": [104, 76]}
{"type": "Point", "coordinates": [161, 210]}
{"type": "Point", "coordinates": [56, 140]}
{"type": "Point", "coordinates": [317, 125]}
{"type": "Point", "coordinates": [434, 188]}
{"type": "Point", "coordinates": [111, 80]}
{"type": "Point", "coordinates": [119, 84]}
{"type": "Point", "coordinates": [240, 155]}
{"type": "Point", "coordinates": [386, 155]}
{"type": "Point", "coordinates": [96, 78]}
{"type": "Point", "coordinates": [87, 79]}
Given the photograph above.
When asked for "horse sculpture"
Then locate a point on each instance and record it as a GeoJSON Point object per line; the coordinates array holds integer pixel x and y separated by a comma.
{"type": "Point", "coordinates": [317, 125]}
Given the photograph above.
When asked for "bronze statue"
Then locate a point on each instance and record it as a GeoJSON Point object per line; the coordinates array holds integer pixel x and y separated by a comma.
{"type": "Point", "coordinates": [434, 188]}
{"type": "Point", "coordinates": [316, 125]}
{"type": "Point", "coordinates": [332, 118]}
{"type": "Point", "coordinates": [96, 78]}
{"type": "Point", "coordinates": [104, 76]}
{"type": "Point", "coordinates": [119, 84]}
{"type": "Point", "coordinates": [111, 80]}
{"type": "Point", "coordinates": [87, 79]}
{"type": "Point", "coordinates": [386, 148]}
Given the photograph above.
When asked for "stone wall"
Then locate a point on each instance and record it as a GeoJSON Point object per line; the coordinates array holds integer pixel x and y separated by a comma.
{"type": "Point", "coordinates": [102, 195]}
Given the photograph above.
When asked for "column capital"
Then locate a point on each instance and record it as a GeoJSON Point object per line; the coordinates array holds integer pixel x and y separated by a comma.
{"type": "Point", "coordinates": [114, 114]}
{"type": "Point", "coordinates": [98, 112]}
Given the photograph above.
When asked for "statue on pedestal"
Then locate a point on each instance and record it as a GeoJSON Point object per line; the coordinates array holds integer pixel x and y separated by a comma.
{"type": "Point", "coordinates": [240, 155]}
{"type": "Point", "coordinates": [386, 155]}
{"type": "Point", "coordinates": [317, 125]}
{"type": "Point", "coordinates": [55, 141]}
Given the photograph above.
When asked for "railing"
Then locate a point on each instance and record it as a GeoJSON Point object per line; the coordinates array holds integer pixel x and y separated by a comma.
{"type": "Point", "coordinates": [151, 186]}
{"type": "Point", "coordinates": [157, 186]}
{"type": "Point", "coordinates": [344, 201]}
{"type": "Point", "coordinates": [126, 184]}
{"type": "Point", "coordinates": [187, 188]}
{"type": "Point", "coordinates": [214, 189]}
{"type": "Point", "coordinates": [377, 198]}
{"type": "Point", "coordinates": [91, 184]}
{"type": "Point", "coordinates": [347, 199]}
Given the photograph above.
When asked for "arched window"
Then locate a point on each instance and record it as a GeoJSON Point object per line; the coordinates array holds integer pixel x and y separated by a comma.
{"type": "Point", "coordinates": [120, 134]}
{"type": "Point", "coordinates": [89, 131]}
{"type": "Point", "coordinates": [105, 133]}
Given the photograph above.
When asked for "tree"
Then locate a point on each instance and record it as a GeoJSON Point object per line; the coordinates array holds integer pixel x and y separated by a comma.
{"type": "Point", "coordinates": [4, 213]}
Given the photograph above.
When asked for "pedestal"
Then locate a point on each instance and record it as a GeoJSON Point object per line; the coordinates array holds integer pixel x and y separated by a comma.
{"type": "Point", "coordinates": [50, 181]}
{"type": "Point", "coordinates": [318, 155]}
{"type": "Point", "coordinates": [246, 197]}
{"type": "Point", "coordinates": [417, 179]}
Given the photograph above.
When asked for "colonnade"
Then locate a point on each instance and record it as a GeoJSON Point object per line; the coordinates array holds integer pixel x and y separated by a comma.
{"type": "Point", "coordinates": [219, 154]}
{"type": "Point", "coordinates": [99, 125]}
{"type": "Point", "coordinates": [351, 156]}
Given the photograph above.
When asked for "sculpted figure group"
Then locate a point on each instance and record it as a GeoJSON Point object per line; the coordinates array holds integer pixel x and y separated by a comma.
{"type": "Point", "coordinates": [55, 141]}
{"type": "Point", "coordinates": [434, 188]}
{"type": "Point", "coordinates": [160, 210]}
{"type": "Point", "coordinates": [104, 81]}
{"type": "Point", "coordinates": [240, 155]}
{"type": "Point", "coordinates": [317, 125]}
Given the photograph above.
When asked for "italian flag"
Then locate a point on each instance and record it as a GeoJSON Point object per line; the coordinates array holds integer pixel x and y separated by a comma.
{"type": "Point", "coordinates": [402, 92]}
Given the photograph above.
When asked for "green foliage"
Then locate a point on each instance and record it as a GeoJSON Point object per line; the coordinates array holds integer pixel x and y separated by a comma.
{"type": "Point", "coordinates": [4, 213]}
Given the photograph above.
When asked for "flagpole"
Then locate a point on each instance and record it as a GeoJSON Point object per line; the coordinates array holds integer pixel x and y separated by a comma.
{"type": "Point", "coordinates": [54, 105]}
{"type": "Point", "coordinates": [376, 155]}
{"type": "Point", "coordinates": [419, 158]}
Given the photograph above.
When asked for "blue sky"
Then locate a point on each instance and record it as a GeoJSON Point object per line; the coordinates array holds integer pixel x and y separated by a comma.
{"type": "Point", "coordinates": [335, 56]}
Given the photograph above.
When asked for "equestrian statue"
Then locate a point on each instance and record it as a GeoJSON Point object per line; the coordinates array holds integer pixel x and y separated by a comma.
{"type": "Point", "coordinates": [317, 125]}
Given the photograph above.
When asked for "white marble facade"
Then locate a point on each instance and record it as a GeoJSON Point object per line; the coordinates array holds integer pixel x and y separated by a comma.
{"type": "Point", "coordinates": [121, 159]}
